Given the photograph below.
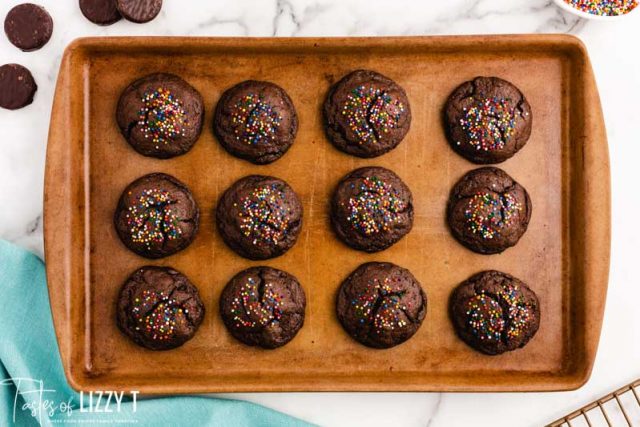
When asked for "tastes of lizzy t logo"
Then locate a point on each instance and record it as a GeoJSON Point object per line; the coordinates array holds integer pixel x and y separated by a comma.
{"type": "Point", "coordinates": [32, 397]}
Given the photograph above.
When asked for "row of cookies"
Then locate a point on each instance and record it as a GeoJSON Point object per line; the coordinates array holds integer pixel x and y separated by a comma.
{"type": "Point", "coordinates": [380, 305]}
{"type": "Point", "coordinates": [488, 120]}
{"type": "Point", "coordinates": [161, 115]}
{"type": "Point", "coordinates": [260, 217]}
{"type": "Point", "coordinates": [366, 114]}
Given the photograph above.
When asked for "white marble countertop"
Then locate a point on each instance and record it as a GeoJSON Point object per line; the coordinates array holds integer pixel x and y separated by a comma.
{"type": "Point", "coordinates": [614, 52]}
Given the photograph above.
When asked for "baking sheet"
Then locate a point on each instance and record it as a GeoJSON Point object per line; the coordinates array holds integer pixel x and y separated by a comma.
{"type": "Point", "coordinates": [563, 256]}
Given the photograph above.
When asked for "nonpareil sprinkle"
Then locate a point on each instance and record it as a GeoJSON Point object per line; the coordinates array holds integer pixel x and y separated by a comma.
{"type": "Point", "coordinates": [381, 304]}
{"type": "Point", "coordinates": [376, 206]}
{"type": "Point", "coordinates": [255, 120]}
{"type": "Point", "coordinates": [157, 314]}
{"type": "Point", "coordinates": [371, 112]}
{"type": "Point", "coordinates": [489, 124]}
{"type": "Point", "coordinates": [604, 7]}
{"type": "Point", "coordinates": [264, 215]}
{"type": "Point", "coordinates": [151, 219]}
{"type": "Point", "coordinates": [252, 308]}
{"type": "Point", "coordinates": [489, 213]}
{"type": "Point", "coordinates": [162, 116]}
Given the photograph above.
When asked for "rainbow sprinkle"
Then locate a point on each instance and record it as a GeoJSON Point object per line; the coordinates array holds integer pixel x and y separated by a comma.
{"type": "Point", "coordinates": [162, 117]}
{"type": "Point", "coordinates": [375, 208]}
{"type": "Point", "coordinates": [157, 314]}
{"type": "Point", "coordinates": [487, 213]}
{"type": "Point", "coordinates": [151, 219]}
{"type": "Point", "coordinates": [254, 120]}
{"type": "Point", "coordinates": [484, 317]}
{"type": "Point", "coordinates": [519, 313]}
{"type": "Point", "coordinates": [489, 124]}
{"type": "Point", "coordinates": [264, 217]}
{"type": "Point", "coordinates": [604, 7]}
{"type": "Point", "coordinates": [371, 112]}
{"type": "Point", "coordinates": [385, 315]}
{"type": "Point", "coordinates": [251, 310]}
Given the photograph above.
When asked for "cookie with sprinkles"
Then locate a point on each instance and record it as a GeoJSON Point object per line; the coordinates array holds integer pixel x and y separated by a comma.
{"type": "Point", "coordinates": [366, 114]}
{"type": "Point", "coordinates": [488, 211]}
{"type": "Point", "coordinates": [156, 216]}
{"type": "Point", "coordinates": [371, 209]}
{"type": "Point", "coordinates": [256, 121]}
{"type": "Point", "coordinates": [160, 115]}
{"type": "Point", "coordinates": [159, 308]}
{"type": "Point", "coordinates": [487, 120]}
{"type": "Point", "coordinates": [494, 312]}
{"type": "Point", "coordinates": [259, 217]}
{"type": "Point", "coordinates": [381, 304]}
{"type": "Point", "coordinates": [263, 306]}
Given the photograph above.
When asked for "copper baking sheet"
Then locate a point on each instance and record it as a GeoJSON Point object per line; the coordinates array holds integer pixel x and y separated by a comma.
{"type": "Point", "coordinates": [564, 256]}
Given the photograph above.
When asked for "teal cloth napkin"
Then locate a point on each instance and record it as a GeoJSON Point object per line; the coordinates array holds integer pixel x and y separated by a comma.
{"type": "Point", "coordinates": [33, 388]}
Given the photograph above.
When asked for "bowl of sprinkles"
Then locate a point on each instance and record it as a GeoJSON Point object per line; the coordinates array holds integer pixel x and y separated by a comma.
{"type": "Point", "coordinates": [598, 9]}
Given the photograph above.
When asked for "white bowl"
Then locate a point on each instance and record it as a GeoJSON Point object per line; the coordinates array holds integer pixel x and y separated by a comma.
{"type": "Point", "coordinates": [564, 5]}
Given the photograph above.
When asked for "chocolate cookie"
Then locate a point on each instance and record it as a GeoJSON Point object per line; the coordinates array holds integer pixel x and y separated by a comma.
{"type": "Point", "coordinates": [366, 114]}
{"type": "Point", "coordinates": [263, 306]}
{"type": "Point", "coordinates": [256, 121]}
{"type": "Point", "coordinates": [159, 308]}
{"type": "Point", "coordinates": [371, 209]}
{"type": "Point", "coordinates": [259, 217]}
{"type": "Point", "coordinates": [139, 11]}
{"type": "Point", "coordinates": [381, 305]}
{"type": "Point", "coordinates": [487, 120]}
{"type": "Point", "coordinates": [488, 211]}
{"type": "Point", "coordinates": [28, 26]}
{"type": "Point", "coordinates": [160, 115]}
{"type": "Point", "coordinates": [17, 86]}
{"type": "Point", "coordinates": [156, 216]}
{"type": "Point", "coordinates": [101, 12]}
{"type": "Point", "coordinates": [494, 312]}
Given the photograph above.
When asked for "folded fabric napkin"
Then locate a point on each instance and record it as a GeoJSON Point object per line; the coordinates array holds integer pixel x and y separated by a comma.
{"type": "Point", "coordinates": [33, 388]}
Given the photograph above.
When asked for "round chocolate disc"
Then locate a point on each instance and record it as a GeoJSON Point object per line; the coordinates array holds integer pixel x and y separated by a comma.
{"type": "Point", "coordinates": [101, 12]}
{"type": "Point", "coordinates": [17, 86]}
{"type": "Point", "coordinates": [28, 26]}
{"type": "Point", "coordinates": [139, 11]}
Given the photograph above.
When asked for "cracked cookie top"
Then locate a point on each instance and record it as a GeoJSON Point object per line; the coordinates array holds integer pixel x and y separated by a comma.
{"type": "Point", "coordinates": [372, 208]}
{"type": "Point", "coordinates": [156, 216]}
{"type": "Point", "coordinates": [494, 312]}
{"type": "Point", "coordinates": [158, 308]}
{"type": "Point", "coordinates": [160, 115]}
{"type": "Point", "coordinates": [263, 306]}
{"type": "Point", "coordinates": [259, 217]}
{"type": "Point", "coordinates": [366, 114]}
{"type": "Point", "coordinates": [487, 120]}
{"type": "Point", "coordinates": [488, 211]}
{"type": "Point", "coordinates": [256, 121]}
{"type": "Point", "coordinates": [381, 304]}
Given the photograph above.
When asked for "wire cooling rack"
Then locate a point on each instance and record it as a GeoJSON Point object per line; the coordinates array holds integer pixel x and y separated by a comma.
{"type": "Point", "coordinates": [620, 408]}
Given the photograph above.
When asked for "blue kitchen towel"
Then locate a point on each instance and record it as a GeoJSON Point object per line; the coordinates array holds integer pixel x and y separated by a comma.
{"type": "Point", "coordinates": [34, 390]}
